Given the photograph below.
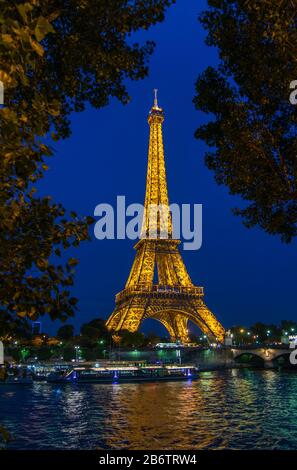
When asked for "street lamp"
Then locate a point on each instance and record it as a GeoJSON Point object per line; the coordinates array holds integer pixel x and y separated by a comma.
{"type": "Point", "coordinates": [76, 353]}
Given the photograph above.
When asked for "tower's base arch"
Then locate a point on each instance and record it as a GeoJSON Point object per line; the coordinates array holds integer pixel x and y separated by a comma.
{"type": "Point", "coordinates": [172, 311]}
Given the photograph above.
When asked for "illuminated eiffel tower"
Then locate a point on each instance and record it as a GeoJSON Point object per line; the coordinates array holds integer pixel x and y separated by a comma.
{"type": "Point", "coordinates": [173, 300]}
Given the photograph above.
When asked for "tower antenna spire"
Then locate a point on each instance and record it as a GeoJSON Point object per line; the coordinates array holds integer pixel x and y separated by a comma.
{"type": "Point", "coordinates": [156, 98]}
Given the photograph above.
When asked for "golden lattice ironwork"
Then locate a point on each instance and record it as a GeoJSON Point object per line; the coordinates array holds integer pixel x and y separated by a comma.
{"type": "Point", "coordinates": [173, 300]}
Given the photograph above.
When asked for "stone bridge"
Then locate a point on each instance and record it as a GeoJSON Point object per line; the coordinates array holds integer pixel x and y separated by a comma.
{"type": "Point", "coordinates": [228, 357]}
{"type": "Point", "coordinates": [268, 354]}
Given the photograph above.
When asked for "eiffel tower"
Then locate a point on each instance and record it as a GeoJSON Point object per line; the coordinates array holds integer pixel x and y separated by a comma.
{"type": "Point", "coordinates": [173, 300]}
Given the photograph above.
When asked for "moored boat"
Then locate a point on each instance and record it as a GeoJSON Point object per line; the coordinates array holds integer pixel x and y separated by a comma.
{"type": "Point", "coordinates": [61, 376]}
{"type": "Point", "coordinates": [128, 374]}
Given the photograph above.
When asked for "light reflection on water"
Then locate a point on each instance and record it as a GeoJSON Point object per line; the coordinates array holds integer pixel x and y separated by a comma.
{"type": "Point", "coordinates": [238, 409]}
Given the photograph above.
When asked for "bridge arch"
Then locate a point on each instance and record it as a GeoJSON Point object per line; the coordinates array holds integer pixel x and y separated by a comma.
{"type": "Point", "coordinates": [249, 357]}
{"type": "Point", "coordinates": [282, 359]}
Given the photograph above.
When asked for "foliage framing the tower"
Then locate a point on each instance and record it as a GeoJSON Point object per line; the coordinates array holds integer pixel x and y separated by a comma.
{"type": "Point", "coordinates": [55, 56]}
{"type": "Point", "coordinates": [253, 134]}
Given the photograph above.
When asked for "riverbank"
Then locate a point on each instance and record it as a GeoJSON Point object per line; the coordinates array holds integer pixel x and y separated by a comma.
{"type": "Point", "coordinates": [210, 359]}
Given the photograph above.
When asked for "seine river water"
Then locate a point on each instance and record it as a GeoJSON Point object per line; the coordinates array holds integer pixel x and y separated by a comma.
{"type": "Point", "coordinates": [234, 409]}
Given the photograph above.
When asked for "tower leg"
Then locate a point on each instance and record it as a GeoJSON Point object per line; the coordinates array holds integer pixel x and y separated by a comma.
{"type": "Point", "coordinates": [208, 323]}
{"type": "Point", "coordinates": [170, 329]}
{"type": "Point", "coordinates": [175, 324]}
{"type": "Point", "coordinates": [181, 327]}
{"type": "Point", "coordinates": [127, 317]}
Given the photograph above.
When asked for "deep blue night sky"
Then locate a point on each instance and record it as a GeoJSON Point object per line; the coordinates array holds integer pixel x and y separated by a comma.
{"type": "Point", "coordinates": [247, 275]}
